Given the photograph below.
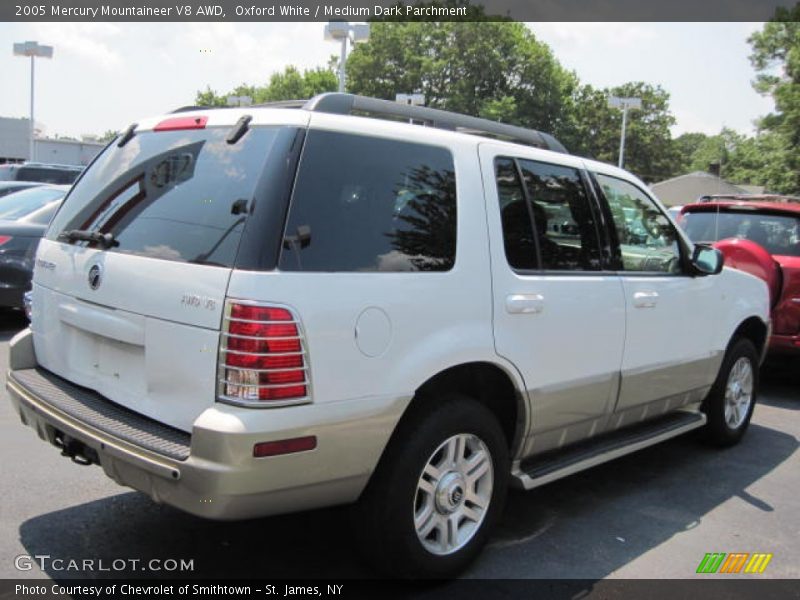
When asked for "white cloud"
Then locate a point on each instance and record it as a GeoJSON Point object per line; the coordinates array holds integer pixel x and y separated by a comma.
{"type": "Point", "coordinates": [90, 41]}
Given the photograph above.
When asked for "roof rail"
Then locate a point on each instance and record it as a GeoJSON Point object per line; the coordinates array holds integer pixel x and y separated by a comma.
{"type": "Point", "coordinates": [345, 104]}
{"type": "Point", "coordinates": [195, 107]}
{"type": "Point", "coordinates": [299, 103]}
{"type": "Point", "coordinates": [276, 104]}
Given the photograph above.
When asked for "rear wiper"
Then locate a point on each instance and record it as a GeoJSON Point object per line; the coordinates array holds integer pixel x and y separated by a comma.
{"type": "Point", "coordinates": [239, 129]}
{"type": "Point", "coordinates": [78, 235]}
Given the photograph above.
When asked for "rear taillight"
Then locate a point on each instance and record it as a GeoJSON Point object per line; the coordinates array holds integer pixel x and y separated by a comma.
{"type": "Point", "coordinates": [262, 358]}
{"type": "Point", "coordinates": [4, 239]}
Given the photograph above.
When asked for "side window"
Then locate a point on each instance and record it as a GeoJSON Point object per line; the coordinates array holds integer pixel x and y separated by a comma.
{"type": "Point", "coordinates": [515, 216]}
{"type": "Point", "coordinates": [562, 214]}
{"type": "Point", "coordinates": [369, 204]}
{"type": "Point", "coordinates": [648, 240]}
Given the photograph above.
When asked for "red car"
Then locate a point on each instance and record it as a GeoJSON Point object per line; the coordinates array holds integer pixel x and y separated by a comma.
{"type": "Point", "coordinates": [762, 238]}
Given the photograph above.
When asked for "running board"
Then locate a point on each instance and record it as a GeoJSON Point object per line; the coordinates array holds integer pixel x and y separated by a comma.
{"type": "Point", "coordinates": [540, 470]}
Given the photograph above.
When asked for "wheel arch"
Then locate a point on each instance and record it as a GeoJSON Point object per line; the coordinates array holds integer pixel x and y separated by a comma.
{"type": "Point", "coordinates": [494, 385]}
{"type": "Point", "coordinates": [754, 329]}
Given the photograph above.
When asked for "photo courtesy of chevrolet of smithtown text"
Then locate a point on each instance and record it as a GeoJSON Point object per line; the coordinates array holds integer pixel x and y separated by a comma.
{"type": "Point", "coordinates": [408, 298]}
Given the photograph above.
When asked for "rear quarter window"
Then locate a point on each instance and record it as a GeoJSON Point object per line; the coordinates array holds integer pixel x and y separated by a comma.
{"type": "Point", "coordinates": [371, 205]}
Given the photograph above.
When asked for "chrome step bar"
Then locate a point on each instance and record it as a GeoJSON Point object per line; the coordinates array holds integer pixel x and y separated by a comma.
{"type": "Point", "coordinates": [540, 470]}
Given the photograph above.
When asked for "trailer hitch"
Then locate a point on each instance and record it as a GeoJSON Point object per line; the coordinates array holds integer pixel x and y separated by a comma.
{"type": "Point", "coordinates": [76, 450]}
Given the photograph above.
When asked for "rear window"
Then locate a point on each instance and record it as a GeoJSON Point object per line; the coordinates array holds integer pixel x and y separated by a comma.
{"type": "Point", "coordinates": [778, 234]}
{"type": "Point", "coordinates": [8, 187]}
{"type": "Point", "coordinates": [24, 202]}
{"type": "Point", "coordinates": [369, 204]}
{"type": "Point", "coordinates": [174, 195]}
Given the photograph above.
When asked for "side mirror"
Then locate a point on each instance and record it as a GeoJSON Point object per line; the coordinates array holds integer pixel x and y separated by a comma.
{"type": "Point", "coordinates": [707, 260]}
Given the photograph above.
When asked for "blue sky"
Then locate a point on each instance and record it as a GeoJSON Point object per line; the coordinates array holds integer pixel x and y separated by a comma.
{"type": "Point", "coordinates": [107, 75]}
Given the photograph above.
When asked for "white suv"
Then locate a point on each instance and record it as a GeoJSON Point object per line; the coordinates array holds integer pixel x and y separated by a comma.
{"type": "Point", "coordinates": [246, 312]}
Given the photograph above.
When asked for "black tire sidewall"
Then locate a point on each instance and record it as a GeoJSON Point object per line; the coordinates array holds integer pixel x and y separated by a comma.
{"type": "Point", "coordinates": [391, 542]}
{"type": "Point", "coordinates": [717, 429]}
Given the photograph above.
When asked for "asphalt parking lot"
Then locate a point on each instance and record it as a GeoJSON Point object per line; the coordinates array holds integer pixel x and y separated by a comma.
{"type": "Point", "coordinates": [649, 515]}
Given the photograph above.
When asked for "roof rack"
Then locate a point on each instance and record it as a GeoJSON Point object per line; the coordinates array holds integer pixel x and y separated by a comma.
{"type": "Point", "coordinates": [347, 104]}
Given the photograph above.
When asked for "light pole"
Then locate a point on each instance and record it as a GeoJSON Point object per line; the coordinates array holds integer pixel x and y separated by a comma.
{"type": "Point", "coordinates": [411, 100]}
{"type": "Point", "coordinates": [341, 31]}
{"type": "Point", "coordinates": [239, 100]}
{"type": "Point", "coordinates": [625, 104]}
{"type": "Point", "coordinates": [32, 49]}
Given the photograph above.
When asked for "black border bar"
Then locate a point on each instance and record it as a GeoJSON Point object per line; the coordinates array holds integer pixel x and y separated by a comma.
{"type": "Point", "coordinates": [367, 10]}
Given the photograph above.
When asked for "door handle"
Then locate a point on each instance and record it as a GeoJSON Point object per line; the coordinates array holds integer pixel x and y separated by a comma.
{"type": "Point", "coordinates": [524, 303]}
{"type": "Point", "coordinates": [645, 299]}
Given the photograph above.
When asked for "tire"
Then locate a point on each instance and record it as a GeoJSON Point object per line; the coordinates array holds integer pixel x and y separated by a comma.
{"type": "Point", "coordinates": [408, 488]}
{"type": "Point", "coordinates": [729, 405]}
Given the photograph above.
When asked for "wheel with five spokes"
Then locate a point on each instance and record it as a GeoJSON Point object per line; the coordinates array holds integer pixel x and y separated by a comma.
{"type": "Point", "coordinates": [438, 490]}
{"type": "Point", "coordinates": [730, 402]}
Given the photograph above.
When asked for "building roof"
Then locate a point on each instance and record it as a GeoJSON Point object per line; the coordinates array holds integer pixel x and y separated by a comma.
{"type": "Point", "coordinates": [686, 189]}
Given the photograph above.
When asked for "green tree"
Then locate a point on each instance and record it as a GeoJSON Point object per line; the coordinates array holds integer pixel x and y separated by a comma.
{"type": "Point", "coordinates": [595, 128]}
{"type": "Point", "coordinates": [497, 70]}
{"type": "Point", "coordinates": [686, 145]}
{"type": "Point", "coordinates": [764, 160]}
{"type": "Point", "coordinates": [776, 58]}
{"type": "Point", "coordinates": [209, 97]}
{"type": "Point", "coordinates": [293, 85]}
{"type": "Point", "coordinates": [290, 84]}
{"type": "Point", "coordinates": [698, 151]}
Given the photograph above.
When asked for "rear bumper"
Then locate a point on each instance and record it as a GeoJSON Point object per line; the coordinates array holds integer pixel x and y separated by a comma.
{"type": "Point", "coordinates": [218, 477]}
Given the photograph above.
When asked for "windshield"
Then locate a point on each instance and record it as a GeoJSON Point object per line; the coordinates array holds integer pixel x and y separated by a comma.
{"type": "Point", "coordinates": [19, 204]}
{"type": "Point", "coordinates": [174, 195]}
{"type": "Point", "coordinates": [778, 234]}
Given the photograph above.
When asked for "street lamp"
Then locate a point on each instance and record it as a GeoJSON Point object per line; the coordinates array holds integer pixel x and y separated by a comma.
{"type": "Point", "coordinates": [411, 100]}
{"type": "Point", "coordinates": [239, 100]}
{"type": "Point", "coordinates": [341, 31]}
{"type": "Point", "coordinates": [32, 49]}
{"type": "Point", "coordinates": [625, 104]}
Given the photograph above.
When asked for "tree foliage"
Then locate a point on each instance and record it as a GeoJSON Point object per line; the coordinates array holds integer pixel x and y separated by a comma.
{"type": "Point", "coordinates": [497, 70]}
{"type": "Point", "coordinates": [290, 84]}
{"type": "Point", "coordinates": [494, 68]}
{"type": "Point", "coordinates": [776, 58]}
{"type": "Point", "coordinates": [595, 129]}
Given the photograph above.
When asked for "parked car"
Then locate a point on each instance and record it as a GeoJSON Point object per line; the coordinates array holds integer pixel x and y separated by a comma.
{"type": "Point", "coordinates": [675, 213]}
{"type": "Point", "coordinates": [41, 172]}
{"type": "Point", "coordinates": [780, 198]}
{"type": "Point", "coordinates": [24, 216]}
{"type": "Point", "coordinates": [247, 312]}
{"type": "Point", "coordinates": [775, 227]}
{"type": "Point", "coordinates": [9, 187]}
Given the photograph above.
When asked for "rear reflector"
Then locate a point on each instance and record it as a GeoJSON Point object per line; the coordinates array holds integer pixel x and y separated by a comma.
{"type": "Point", "coordinates": [301, 444]}
{"type": "Point", "coordinates": [181, 123]}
